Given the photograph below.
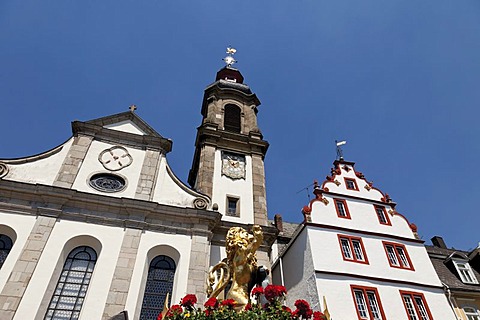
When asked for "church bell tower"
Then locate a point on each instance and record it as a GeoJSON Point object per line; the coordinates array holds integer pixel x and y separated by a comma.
{"type": "Point", "coordinates": [229, 149]}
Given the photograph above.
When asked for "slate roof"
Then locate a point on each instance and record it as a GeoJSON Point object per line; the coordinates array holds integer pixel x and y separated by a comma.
{"type": "Point", "coordinates": [284, 237]}
{"type": "Point", "coordinates": [447, 272]}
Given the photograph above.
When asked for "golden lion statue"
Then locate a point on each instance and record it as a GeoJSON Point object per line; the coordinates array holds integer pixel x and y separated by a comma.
{"type": "Point", "coordinates": [239, 268]}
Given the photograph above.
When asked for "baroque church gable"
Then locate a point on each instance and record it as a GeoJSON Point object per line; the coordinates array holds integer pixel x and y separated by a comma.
{"type": "Point", "coordinates": [119, 156]}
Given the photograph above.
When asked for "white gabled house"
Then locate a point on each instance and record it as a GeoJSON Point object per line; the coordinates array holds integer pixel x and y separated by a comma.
{"type": "Point", "coordinates": [361, 256]}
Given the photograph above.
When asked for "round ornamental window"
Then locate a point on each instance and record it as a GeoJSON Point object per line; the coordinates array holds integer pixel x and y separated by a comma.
{"type": "Point", "coordinates": [107, 182]}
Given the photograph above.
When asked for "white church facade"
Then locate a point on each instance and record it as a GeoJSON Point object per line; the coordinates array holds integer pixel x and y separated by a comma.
{"type": "Point", "coordinates": [100, 227]}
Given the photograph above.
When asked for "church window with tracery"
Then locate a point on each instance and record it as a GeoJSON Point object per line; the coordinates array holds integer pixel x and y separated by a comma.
{"type": "Point", "coordinates": [161, 274]}
{"type": "Point", "coordinates": [72, 286]}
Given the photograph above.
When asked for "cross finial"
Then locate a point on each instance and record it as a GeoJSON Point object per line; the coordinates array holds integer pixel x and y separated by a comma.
{"type": "Point", "coordinates": [132, 108]}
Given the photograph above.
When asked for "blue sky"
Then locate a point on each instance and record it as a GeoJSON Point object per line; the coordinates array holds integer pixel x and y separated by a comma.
{"type": "Point", "coordinates": [399, 80]}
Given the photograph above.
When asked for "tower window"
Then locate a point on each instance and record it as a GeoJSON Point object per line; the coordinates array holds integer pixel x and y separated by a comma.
{"type": "Point", "coordinates": [232, 118]}
{"type": "Point", "coordinates": [233, 206]}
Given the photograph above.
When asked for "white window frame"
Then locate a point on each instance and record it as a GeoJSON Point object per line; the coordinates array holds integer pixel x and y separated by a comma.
{"type": "Point", "coordinates": [471, 313]}
{"type": "Point", "coordinates": [465, 271]}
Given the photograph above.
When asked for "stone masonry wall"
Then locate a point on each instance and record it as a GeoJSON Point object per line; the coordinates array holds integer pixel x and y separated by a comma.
{"type": "Point", "coordinates": [259, 192]}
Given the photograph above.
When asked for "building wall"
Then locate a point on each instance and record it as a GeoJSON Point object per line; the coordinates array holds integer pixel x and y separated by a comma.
{"type": "Point", "coordinates": [341, 303]}
{"type": "Point", "coordinates": [240, 188]}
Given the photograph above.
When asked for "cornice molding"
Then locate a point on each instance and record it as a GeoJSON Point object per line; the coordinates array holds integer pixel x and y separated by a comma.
{"type": "Point", "coordinates": [67, 204]}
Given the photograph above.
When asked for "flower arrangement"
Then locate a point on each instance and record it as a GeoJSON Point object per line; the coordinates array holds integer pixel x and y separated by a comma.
{"type": "Point", "coordinates": [215, 309]}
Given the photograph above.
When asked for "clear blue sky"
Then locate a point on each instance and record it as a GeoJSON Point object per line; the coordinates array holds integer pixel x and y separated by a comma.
{"type": "Point", "coordinates": [399, 80]}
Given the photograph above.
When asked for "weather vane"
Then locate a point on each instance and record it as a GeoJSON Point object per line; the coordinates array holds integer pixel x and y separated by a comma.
{"type": "Point", "coordinates": [229, 60]}
{"type": "Point", "coordinates": [339, 148]}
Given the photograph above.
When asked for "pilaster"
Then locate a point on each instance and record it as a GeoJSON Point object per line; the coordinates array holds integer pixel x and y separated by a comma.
{"type": "Point", "coordinates": [71, 165]}
{"type": "Point", "coordinates": [206, 164]}
{"type": "Point", "coordinates": [18, 280]}
{"type": "Point", "coordinates": [122, 275]}
{"type": "Point", "coordinates": [148, 175]}
{"type": "Point", "coordinates": [199, 264]}
{"type": "Point", "coordinates": [259, 192]}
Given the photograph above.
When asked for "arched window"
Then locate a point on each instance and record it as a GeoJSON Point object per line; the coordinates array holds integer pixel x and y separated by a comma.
{"type": "Point", "coordinates": [232, 118]}
{"type": "Point", "coordinates": [5, 246]}
{"type": "Point", "coordinates": [72, 286]}
{"type": "Point", "coordinates": [159, 282]}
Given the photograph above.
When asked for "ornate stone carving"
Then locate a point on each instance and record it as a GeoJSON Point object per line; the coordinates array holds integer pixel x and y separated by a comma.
{"type": "Point", "coordinates": [200, 203]}
{"type": "Point", "coordinates": [116, 158]}
{"type": "Point", "coordinates": [3, 170]}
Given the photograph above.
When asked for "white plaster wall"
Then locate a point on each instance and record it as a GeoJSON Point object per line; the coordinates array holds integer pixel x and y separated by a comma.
{"type": "Point", "coordinates": [363, 217]}
{"type": "Point", "coordinates": [125, 126]}
{"type": "Point", "coordinates": [149, 240]}
{"type": "Point", "coordinates": [341, 304]}
{"type": "Point", "coordinates": [373, 194]}
{"type": "Point", "coordinates": [91, 165]}
{"type": "Point", "coordinates": [94, 304]}
{"type": "Point", "coordinates": [167, 191]}
{"type": "Point", "coordinates": [240, 188]}
{"type": "Point", "coordinates": [22, 225]}
{"type": "Point", "coordinates": [327, 256]}
{"type": "Point", "coordinates": [41, 171]}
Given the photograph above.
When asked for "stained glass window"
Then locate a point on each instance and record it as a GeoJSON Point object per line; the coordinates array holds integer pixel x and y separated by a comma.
{"type": "Point", "coordinates": [161, 274]}
{"type": "Point", "coordinates": [5, 247]}
{"type": "Point", "coordinates": [72, 286]}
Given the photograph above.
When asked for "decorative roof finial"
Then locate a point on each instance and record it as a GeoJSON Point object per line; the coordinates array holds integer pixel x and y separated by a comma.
{"type": "Point", "coordinates": [339, 149]}
{"type": "Point", "coordinates": [132, 108]}
{"type": "Point", "coordinates": [229, 60]}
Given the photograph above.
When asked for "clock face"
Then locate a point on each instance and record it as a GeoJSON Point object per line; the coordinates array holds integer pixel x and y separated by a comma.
{"type": "Point", "coordinates": [233, 165]}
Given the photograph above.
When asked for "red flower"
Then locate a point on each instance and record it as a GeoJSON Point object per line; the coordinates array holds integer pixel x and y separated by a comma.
{"type": "Point", "coordinates": [272, 292]}
{"type": "Point", "coordinates": [287, 309]}
{"type": "Point", "coordinates": [303, 309]}
{"type": "Point", "coordinates": [159, 316]}
{"type": "Point", "coordinates": [229, 303]}
{"type": "Point", "coordinates": [212, 303]}
{"type": "Point", "coordinates": [317, 315]}
{"type": "Point", "coordinates": [188, 301]}
{"type": "Point", "coordinates": [248, 307]}
{"type": "Point", "coordinates": [174, 310]}
{"type": "Point", "coordinates": [257, 291]}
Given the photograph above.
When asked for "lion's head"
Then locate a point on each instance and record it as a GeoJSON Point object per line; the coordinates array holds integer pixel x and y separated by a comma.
{"type": "Point", "coordinates": [238, 238]}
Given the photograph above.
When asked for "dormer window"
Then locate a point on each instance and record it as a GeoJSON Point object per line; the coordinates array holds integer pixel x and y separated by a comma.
{"type": "Point", "coordinates": [232, 118]}
{"type": "Point", "coordinates": [465, 271]}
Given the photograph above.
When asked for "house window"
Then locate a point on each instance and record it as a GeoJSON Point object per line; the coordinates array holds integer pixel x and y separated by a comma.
{"type": "Point", "coordinates": [5, 246]}
{"type": "Point", "coordinates": [465, 271]}
{"type": "Point", "coordinates": [367, 303]}
{"type": "Point", "coordinates": [352, 249]}
{"type": "Point", "coordinates": [232, 118]}
{"type": "Point", "coordinates": [416, 306]}
{"type": "Point", "coordinates": [398, 256]}
{"type": "Point", "coordinates": [72, 286]}
{"type": "Point", "coordinates": [471, 313]}
{"type": "Point", "coordinates": [382, 215]}
{"type": "Point", "coordinates": [233, 206]}
{"type": "Point", "coordinates": [342, 209]}
{"type": "Point", "coordinates": [161, 274]}
{"type": "Point", "coordinates": [351, 184]}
